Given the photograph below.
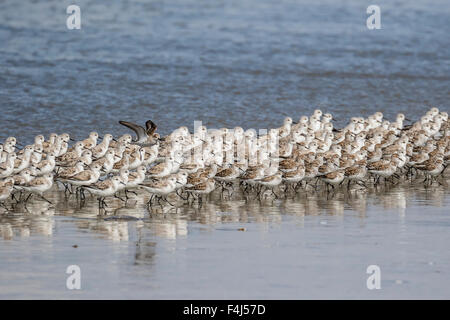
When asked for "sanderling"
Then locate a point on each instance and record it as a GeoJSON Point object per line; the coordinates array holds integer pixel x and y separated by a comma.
{"type": "Point", "coordinates": [136, 158]}
{"type": "Point", "coordinates": [384, 168]}
{"type": "Point", "coordinates": [39, 185]}
{"type": "Point", "coordinates": [356, 172]}
{"type": "Point", "coordinates": [204, 188]}
{"type": "Point", "coordinates": [71, 155]}
{"type": "Point", "coordinates": [104, 189]}
{"type": "Point", "coordinates": [270, 182]}
{"type": "Point", "coordinates": [6, 189]}
{"type": "Point", "coordinates": [100, 150]}
{"type": "Point", "coordinates": [333, 178]}
{"type": "Point", "coordinates": [162, 169]}
{"type": "Point", "coordinates": [23, 178]}
{"type": "Point", "coordinates": [68, 172]}
{"type": "Point", "coordinates": [136, 177]}
{"type": "Point", "coordinates": [432, 167]}
{"type": "Point", "coordinates": [24, 160]}
{"type": "Point", "coordinates": [91, 141]}
{"type": "Point", "coordinates": [7, 168]}
{"type": "Point", "coordinates": [160, 188]}
{"type": "Point", "coordinates": [47, 165]}
{"type": "Point", "coordinates": [86, 177]}
{"type": "Point", "coordinates": [123, 163]}
{"type": "Point", "coordinates": [107, 161]}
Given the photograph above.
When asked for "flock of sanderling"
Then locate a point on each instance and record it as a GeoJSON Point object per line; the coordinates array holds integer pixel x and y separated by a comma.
{"type": "Point", "coordinates": [307, 154]}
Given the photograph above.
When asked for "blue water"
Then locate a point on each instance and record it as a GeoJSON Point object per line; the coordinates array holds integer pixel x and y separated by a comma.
{"type": "Point", "coordinates": [226, 63]}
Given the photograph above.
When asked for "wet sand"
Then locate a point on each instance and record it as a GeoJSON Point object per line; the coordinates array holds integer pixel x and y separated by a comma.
{"type": "Point", "coordinates": [295, 248]}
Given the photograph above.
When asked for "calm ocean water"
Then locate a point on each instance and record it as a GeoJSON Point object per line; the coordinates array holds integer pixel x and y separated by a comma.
{"type": "Point", "coordinates": [227, 63]}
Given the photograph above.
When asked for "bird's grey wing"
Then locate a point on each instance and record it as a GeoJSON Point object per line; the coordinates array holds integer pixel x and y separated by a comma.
{"type": "Point", "coordinates": [140, 131]}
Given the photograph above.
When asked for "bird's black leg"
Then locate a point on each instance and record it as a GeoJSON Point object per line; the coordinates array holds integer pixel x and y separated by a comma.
{"type": "Point", "coordinates": [29, 196]}
{"type": "Point", "coordinates": [45, 199]}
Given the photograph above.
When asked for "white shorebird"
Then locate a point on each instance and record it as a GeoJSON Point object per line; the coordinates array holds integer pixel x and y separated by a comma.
{"type": "Point", "coordinates": [39, 185]}
{"type": "Point", "coordinates": [91, 141]}
{"type": "Point", "coordinates": [333, 178]}
{"type": "Point", "coordinates": [160, 189]}
{"type": "Point", "coordinates": [270, 182]}
{"type": "Point", "coordinates": [104, 189]}
{"type": "Point", "coordinates": [7, 168]}
{"type": "Point", "coordinates": [162, 169]}
{"type": "Point", "coordinates": [24, 161]}
{"type": "Point", "coordinates": [70, 171]}
{"type": "Point", "coordinates": [204, 188]}
{"type": "Point", "coordinates": [6, 189]}
{"type": "Point", "coordinates": [137, 158]}
{"type": "Point", "coordinates": [73, 155]}
{"type": "Point", "coordinates": [86, 177]}
{"type": "Point", "coordinates": [100, 150]}
{"type": "Point", "coordinates": [107, 161]}
{"type": "Point", "coordinates": [135, 178]}
{"type": "Point", "coordinates": [47, 165]}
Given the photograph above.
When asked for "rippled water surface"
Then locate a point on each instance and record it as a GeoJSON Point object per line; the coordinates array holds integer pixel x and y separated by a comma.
{"type": "Point", "coordinates": [312, 246]}
{"type": "Point", "coordinates": [227, 63]}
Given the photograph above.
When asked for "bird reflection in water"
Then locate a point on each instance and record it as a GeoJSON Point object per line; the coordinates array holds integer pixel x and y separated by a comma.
{"type": "Point", "coordinates": [36, 220]}
{"type": "Point", "coordinates": [169, 222]}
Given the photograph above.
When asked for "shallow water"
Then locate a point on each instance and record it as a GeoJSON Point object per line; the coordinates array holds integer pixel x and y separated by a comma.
{"type": "Point", "coordinates": [227, 63]}
{"type": "Point", "coordinates": [310, 246]}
